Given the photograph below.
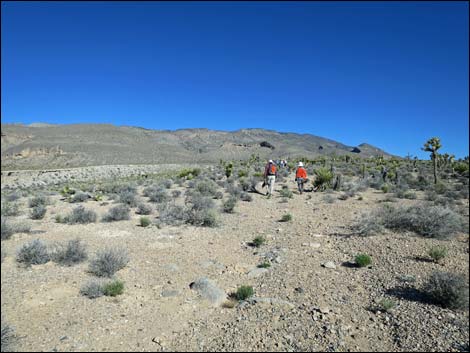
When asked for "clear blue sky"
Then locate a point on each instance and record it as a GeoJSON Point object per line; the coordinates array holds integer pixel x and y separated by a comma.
{"type": "Point", "coordinates": [392, 74]}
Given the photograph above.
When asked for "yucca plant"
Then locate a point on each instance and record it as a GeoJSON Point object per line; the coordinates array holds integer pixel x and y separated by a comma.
{"type": "Point", "coordinates": [323, 178]}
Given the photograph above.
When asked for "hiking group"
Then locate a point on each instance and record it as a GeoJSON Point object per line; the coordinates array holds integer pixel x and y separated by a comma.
{"type": "Point", "coordinates": [271, 172]}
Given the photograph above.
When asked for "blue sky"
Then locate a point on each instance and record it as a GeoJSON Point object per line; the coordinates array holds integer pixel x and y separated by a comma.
{"type": "Point", "coordinates": [392, 74]}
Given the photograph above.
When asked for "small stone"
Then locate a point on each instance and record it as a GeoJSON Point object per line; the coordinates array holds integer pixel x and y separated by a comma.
{"type": "Point", "coordinates": [329, 264]}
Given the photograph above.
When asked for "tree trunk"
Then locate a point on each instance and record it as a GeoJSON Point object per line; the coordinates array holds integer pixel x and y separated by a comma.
{"type": "Point", "coordinates": [435, 168]}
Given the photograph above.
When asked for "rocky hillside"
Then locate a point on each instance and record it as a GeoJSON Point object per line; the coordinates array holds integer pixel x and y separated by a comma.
{"type": "Point", "coordinates": [60, 146]}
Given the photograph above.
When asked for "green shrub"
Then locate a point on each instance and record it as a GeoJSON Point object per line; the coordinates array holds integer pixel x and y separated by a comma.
{"type": "Point", "coordinates": [265, 264]}
{"type": "Point", "coordinates": [363, 260]}
{"type": "Point", "coordinates": [437, 253]}
{"type": "Point", "coordinates": [448, 289]}
{"type": "Point", "coordinates": [385, 188]}
{"type": "Point", "coordinates": [113, 288]}
{"type": "Point", "coordinates": [386, 304]}
{"type": "Point", "coordinates": [258, 241]}
{"type": "Point", "coordinates": [144, 222]}
{"type": "Point", "coordinates": [244, 292]}
{"type": "Point", "coordinates": [286, 218]}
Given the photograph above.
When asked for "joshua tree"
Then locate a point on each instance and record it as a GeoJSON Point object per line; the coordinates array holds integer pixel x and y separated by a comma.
{"type": "Point", "coordinates": [432, 145]}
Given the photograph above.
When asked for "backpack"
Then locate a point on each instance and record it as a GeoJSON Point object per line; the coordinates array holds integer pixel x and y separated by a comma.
{"type": "Point", "coordinates": [272, 169]}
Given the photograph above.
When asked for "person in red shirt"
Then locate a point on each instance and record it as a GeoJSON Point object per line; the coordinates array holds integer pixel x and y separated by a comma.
{"type": "Point", "coordinates": [300, 177]}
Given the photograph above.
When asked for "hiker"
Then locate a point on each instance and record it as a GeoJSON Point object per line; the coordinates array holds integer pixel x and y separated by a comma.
{"type": "Point", "coordinates": [270, 172]}
{"type": "Point", "coordinates": [300, 177]}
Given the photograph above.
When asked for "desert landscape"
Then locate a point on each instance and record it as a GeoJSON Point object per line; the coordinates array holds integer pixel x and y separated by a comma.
{"type": "Point", "coordinates": [195, 257]}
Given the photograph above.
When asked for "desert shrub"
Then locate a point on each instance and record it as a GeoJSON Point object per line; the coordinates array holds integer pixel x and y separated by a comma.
{"type": "Point", "coordinates": [33, 253]}
{"type": "Point", "coordinates": [448, 289]}
{"type": "Point", "coordinates": [265, 264]}
{"type": "Point", "coordinates": [425, 220]}
{"type": "Point", "coordinates": [80, 215]}
{"type": "Point", "coordinates": [167, 183]}
{"type": "Point", "coordinates": [113, 288]}
{"type": "Point", "coordinates": [405, 194]}
{"type": "Point", "coordinates": [285, 192]}
{"type": "Point", "coordinates": [258, 241]}
{"type": "Point", "coordinates": [233, 190]}
{"type": "Point", "coordinates": [127, 198]}
{"type": "Point", "coordinates": [385, 188]}
{"type": "Point", "coordinates": [386, 304]}
{"type": "Point", "coordinates": [70, 254]}
{"type": "Point", "coordinates": [246, 197]}
{"type": "Point", "coordinates": [145, 221]}
{"type": "Point", "coordinates": [437, 253]}
{"type": "Point", "coordinates": [204, 218]}
{"type": "Point", "coordinates": [143, 209]}
{"type": "Point", "coordinates": [108, 261]}
{"type": "Point", "coordinates": [368, 224]}
{"type": "Point", "coordinates": [13, 196]}
{"type": "Point", "coordinates": [218, 195]}
{"type": "Point", "coordinates": [244, 292]}
{"type": "Point", "coordinates": [38, 212]}
{"type": "Point", "coordinates": [79, 197]}
{"type": "Point", "coordinates": [172, 214]}
{"type": "Point", "coordinates": [8, 229]}
{"type": "Point", "coordinates": [461, 167]}
{"type": "Point", "coordinates": [363, 260]}
{"type": "Point", "coordinates": [229, 204]}
{"type": "Point", "coordinates": [8, 337]}
{"type": "Point", "coordinates": [323, 178]}
{"type": "Point", "coordinates": [93, 288]}
{"type": "Point", "coordinates": [286, 218]}
{"type": "Point", "coordinates": [189, 173]}
{"type": "Point", "coordinates": [176, 193]}
{"type": "Point", "coordinates": [159, 196]}
{"type": "Point", "coordinates": [38, 200]}
{"type": "Point", "coordinates": [9, 208]}
{"type": "Point", "coordinates": [117, 213]}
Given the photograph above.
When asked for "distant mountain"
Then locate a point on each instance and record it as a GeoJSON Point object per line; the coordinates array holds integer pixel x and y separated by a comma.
{"type": "Point", "coordinates": [55, 146]}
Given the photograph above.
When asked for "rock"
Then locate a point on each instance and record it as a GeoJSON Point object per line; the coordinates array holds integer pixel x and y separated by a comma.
{"type": "Point", "coordinates": [312, 245]}
{"type": "Point", "coordinates": [329, 264]}
{"type": "Point", "coordinates": [169, 293]}
{"type": "Point", "coordinates": [256, 272]}
{"type": "Point", "coordinates": [209, 291]}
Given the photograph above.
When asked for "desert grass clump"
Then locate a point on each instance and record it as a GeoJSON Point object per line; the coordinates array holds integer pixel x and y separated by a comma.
{"type": "Point", "coordinates": [117, 213]}
{"type": "Point", "coordinates": [108, 261]}
{"type": "Point", "coordinates": [38, 212]}
{"type": "Point", "coordinates": [244, 292]}
{"type": "Point", "coordinates": [286, 218]}
{"type": "Point", "coordinates": [229, 205]}
{"type": "Point", "coordinates": [143, 209]}
{"type": "Point", "coordinates": [437, 253]}
{"type": "Point", "coordinates": [363, 260]}
{"type": "Point", "coordinates": [70, 254]}
{"type": "Point", "coordinates": [113, 288]}
{"type": "Point", "coordinates": [258, 241]}
{"type": "Point", "coordinates": [33, 253]}
{"type": "Point", "coordinates": [38, 200]}
{"type": "Point", "coordinates": [448, 289]}
{"type": "Point", "coordinates": [79, 215]}
{"type": "Point", "coordinates": [145, 221]}
{"type": "Point", "coordinates": [246, 197]}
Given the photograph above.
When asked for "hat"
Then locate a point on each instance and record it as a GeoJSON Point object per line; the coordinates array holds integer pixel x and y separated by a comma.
{"type": "Point", "coordinates": [301, 164]}
{"type": "Point", "coordinates": [271, 161]}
